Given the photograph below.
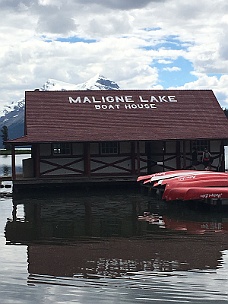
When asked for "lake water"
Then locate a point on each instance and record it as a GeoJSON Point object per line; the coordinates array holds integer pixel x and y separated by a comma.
{"type": "Point", "coordinates": [111, 246]}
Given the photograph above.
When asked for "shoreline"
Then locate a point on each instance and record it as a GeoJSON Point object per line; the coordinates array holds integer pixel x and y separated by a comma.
{"type": "Point", "coordinates": [8, 152]}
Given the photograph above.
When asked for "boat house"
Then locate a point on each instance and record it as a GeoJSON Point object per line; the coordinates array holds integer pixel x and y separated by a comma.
{"type": "Point", "coordinates": [111, 136]}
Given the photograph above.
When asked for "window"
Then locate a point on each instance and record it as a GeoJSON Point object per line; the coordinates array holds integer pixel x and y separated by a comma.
{"type": "Point", "coordinates": [109, 147]}
{"type": "Point", "coordinates": [61, 149]}
{"type": "Point", "coordinates": [200, 145]}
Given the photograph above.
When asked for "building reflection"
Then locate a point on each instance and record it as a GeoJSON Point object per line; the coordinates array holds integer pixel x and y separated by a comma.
{"type": "Point", "coordinates": [105, 235]}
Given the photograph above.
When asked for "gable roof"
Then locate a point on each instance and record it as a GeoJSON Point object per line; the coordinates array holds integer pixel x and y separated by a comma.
{"type": "Point", "coordinates": [123, 115]}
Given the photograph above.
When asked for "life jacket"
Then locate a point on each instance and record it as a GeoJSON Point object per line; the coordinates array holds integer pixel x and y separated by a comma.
{"type": "Point", "coordinates": [206, 156]}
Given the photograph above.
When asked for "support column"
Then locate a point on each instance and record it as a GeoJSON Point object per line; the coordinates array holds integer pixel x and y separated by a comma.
{"type": "Point", "coordinates": [138, 158]}
{"type": "Point", "coordinates": [13, 162]}
{"type": "Point", "coordinates": [184, 154]}
{"type": "Point", "coordinates": [36, 159]}
{"type": "Point", "coordinates": [178, 155]}
{"type": "Point", "coordinates": [148, 155]}
{"type": "Point", "coordinates": [87, 166]}
{"type": "Point", "coordinates": [163, 155]}
{"type": "Point", "coordinates": [133, 171]}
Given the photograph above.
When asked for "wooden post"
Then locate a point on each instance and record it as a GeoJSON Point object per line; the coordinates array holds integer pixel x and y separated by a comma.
{"type": "Point", "coordinates": [184, 154]}
{"type": "Point", "coordinates": [13, 162]}
{"type": "Point", "coordinates": [138, 158]}
{"type": "Point", "coordinates": [178, 155]}
{"type": "Point", "coordinates": [87, 166]}
{"type": "Point", "coordinates": [133, 158]}
{"type": "Point", "coordinates": [36, 159]}
{"type": "Point", "coordinates": [148, 153]}
{"type": "Point", "coordinates": [163, 155]}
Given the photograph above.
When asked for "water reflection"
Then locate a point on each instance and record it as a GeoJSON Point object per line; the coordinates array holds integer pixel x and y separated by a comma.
{"type": "Point", "coordinates": [112, 235]}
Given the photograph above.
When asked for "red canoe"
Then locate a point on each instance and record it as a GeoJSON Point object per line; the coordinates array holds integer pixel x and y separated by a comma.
{"type": "Point", "coordinates": [176, 194]}
{"type": "Point", "coordinates": [192, 175]}
{"type": "Point", "coordinates": [201, 193]}
{"type": "Point", "coordinates": [200, 175]}
{"type": "Point", "coordinates": [180, 173]}
{"type": "Point", "coordinates": [159, 175]}
{"type": "Point", "coordinates": [213, 182]}
{"type": "Point", "coordinates": [197, 193]}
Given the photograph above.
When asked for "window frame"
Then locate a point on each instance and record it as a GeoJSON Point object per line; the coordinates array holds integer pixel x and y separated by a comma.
{"type": "Point", "coordinates": [200, 144]}
{"type": "Point", "coordinates": [65, 148]}
{"type": "Point", "coordinates": [109, 148]}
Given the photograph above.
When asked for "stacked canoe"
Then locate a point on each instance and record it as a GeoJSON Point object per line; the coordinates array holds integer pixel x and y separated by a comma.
{"type": "Point", "coordinates": [187, 185]}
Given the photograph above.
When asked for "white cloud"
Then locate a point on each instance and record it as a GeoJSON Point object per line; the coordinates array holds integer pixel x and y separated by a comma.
{"type": "Point", "coordinates": [129, 39]}
{"type": "Point", "coordinates": [172, 69]}
{"type": "Point", "coordinates": [164, 61]}
{"type": "Point", "coordinates": [204, 82]}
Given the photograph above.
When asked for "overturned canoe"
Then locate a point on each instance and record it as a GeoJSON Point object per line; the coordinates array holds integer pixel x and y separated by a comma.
{"type": "Point", "coordinates": [199, 175]}
{"type": "Point", "coordinates": [218, 182]}
{"type": "Point", "coordinates": [176, 194]}
{"type": "Point", "coordinates": [162, 175]}
{"type": "Point", "coordinates": [197, 193]}
{"type": "Point", "coordinates": [202, 193]}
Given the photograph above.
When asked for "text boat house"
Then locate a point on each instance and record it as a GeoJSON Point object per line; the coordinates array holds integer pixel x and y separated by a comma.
{"type": "Point", "coordinates": [109, 135]}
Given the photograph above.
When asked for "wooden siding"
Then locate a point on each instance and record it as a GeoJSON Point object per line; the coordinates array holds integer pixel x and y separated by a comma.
{"type": "Point", "coordinates": [150, 157]}
{"type": "Point", "coordinates": [62, 166]}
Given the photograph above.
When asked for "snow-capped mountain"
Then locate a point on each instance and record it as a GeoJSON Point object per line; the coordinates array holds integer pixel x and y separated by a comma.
{"type": "Point", "coordinates": [98, 82]}
{"type": "Point", "coordinates": [12, 115]}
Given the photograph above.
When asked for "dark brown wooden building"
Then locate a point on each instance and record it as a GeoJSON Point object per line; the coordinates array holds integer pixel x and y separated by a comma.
{"type": "Point", "coordinates": [86, 136]}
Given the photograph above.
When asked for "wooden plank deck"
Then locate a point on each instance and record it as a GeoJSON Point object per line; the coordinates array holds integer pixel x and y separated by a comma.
{"type": "Point", "coordinates": [22, 184]}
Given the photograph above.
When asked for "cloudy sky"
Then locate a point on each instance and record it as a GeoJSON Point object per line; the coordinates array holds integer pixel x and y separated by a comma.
{"type": "Point", "coordinates": [140, 44]}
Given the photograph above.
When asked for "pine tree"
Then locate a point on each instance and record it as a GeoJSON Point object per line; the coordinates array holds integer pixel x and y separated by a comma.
{"type": "Point", "coordinates": [5, 137]}
{"type": "Point", "coordinates": [226, 112]}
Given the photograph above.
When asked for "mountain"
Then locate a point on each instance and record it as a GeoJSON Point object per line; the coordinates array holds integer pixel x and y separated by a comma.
{"type": "Point", "coordinates": [12, 115]}
{"type": "Point", "coordinates": [98, 82]}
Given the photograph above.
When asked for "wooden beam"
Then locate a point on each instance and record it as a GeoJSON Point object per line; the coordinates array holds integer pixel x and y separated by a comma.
{"type": "Point", "coordinates": [87, 166]}
{"type": "Point", "coordinates": [184, 154]}
{"type": "Point", "coordinates": [138, 157]}
{"type": "Point", "coordinates": [178, 155]}
{"type": "Point", "coordinates": [36, 152]}
{"type": "Point", "coordinates": [133, 157]}
{"type": "Point", "coordinates": [13, 162]}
